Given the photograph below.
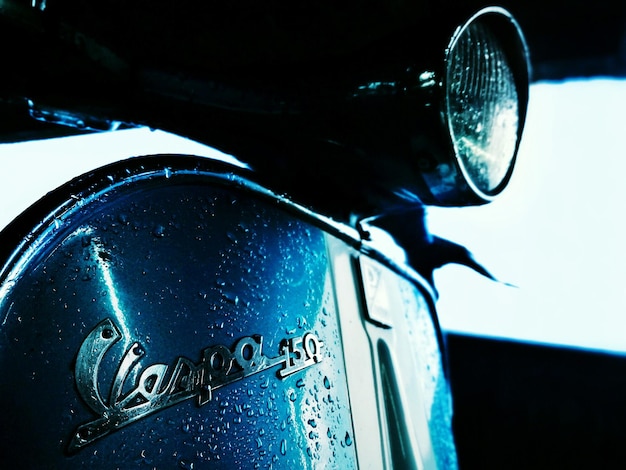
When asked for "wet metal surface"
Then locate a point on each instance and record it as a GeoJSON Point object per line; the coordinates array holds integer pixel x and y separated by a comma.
{"type": "Point", "coordinates": [167, 322]}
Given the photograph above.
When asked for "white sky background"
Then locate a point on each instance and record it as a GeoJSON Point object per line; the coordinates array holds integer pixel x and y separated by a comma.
{"type": "Point", "coordinates": [29, 170]}
{"type": "Point", "coordinates": [556, 232]}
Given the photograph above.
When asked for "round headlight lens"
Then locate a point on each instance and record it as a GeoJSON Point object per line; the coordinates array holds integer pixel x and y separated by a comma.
{"type": "Point", "coordinates": [482, 108]}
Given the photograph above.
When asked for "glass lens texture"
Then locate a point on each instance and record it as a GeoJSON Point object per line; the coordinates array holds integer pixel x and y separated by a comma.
{"type": "Point", "coordinates": [482, 107]}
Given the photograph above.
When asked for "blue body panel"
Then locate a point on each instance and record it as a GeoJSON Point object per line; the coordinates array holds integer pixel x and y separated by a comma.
{"type": "Point", "coordinates": [179, 269]}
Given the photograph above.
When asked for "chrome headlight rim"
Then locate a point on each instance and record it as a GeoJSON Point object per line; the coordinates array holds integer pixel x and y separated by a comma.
{"type": "Point", "coordinates": [510, 44]}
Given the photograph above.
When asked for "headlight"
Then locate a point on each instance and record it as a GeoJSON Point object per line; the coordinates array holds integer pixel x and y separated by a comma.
{"type": "Point", "coordinates": [485, 93]}
{"type": "Point", "coordinates": [482, 105]}
{"type": "Point", "coordinates": [444, 129]}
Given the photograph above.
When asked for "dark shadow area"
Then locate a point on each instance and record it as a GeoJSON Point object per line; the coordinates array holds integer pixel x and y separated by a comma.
{"type": "Point", "coordinates": [526, 406]}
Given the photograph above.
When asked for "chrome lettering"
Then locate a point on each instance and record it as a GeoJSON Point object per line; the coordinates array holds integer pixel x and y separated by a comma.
{"type": "Point", "coordinates": [160, 386]}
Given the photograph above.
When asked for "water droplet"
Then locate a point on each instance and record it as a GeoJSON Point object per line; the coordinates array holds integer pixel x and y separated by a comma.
{"type": "Point", "coordinates": [232, 237]}
{"type": "Point", "coordinates": [159, 231]}
{"type": "Point", "coordinates": [312, 423]}
{"type": "Point", "coordinates": [327, 383]}
{"type": "Point", "coordinates": [107, 333]}
{"type": "Point", "coordinates": [186, 464]}
{"type": "Point", "coordinates": [283, 447]}
{"type": "Point", "coordinates": [348, 439]}
{"type": "Point", "coordinates": [231, 297]}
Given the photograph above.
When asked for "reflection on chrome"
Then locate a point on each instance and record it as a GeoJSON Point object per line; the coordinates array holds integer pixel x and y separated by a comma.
{"type": "Point", "coordinates": [101, 255]}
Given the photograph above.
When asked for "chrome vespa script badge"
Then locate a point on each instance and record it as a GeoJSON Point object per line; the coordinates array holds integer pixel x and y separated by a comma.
{"type": "Point", "coordinates": [159, 386]}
